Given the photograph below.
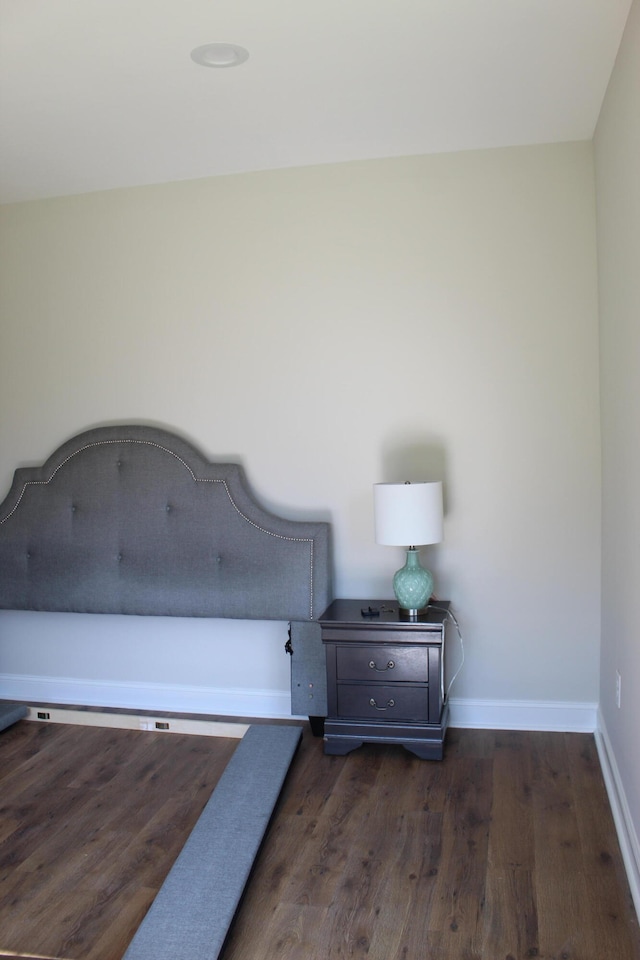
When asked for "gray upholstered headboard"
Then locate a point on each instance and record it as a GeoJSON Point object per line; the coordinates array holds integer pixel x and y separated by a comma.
{"type": "Point", "coordinates": [134, 520]}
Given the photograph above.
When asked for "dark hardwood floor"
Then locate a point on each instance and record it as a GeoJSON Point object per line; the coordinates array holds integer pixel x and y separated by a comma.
{"type": "Point", "coordinates": [505, 850]}
{"type": "Point", "coordinates": [91, 820]}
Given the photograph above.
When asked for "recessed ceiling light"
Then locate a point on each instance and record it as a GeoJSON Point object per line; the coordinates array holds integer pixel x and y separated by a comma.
{"type": "Point", "coordinates": [219, 55]}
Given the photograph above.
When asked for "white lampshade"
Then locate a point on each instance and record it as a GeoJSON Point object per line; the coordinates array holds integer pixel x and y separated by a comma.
{"type": "Point", "coordinates": [408, 514]}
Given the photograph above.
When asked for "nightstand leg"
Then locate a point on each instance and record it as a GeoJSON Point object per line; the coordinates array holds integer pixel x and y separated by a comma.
{"type": "Point", "coordinates": [317, 726]}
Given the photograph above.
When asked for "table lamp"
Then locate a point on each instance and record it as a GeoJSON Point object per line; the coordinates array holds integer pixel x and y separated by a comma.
{"type": "Point", "coordinates": [409, 515]}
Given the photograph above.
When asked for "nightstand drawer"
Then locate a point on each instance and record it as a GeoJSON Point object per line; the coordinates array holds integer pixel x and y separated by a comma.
{"type": "Point", "coordinates": [383, 702]}
{"type": "Point", "coordinates": [388, 663]}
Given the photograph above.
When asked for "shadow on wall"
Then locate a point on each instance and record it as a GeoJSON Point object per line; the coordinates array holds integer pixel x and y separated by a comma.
{"type": "Point", "coordinates": [416, 460]}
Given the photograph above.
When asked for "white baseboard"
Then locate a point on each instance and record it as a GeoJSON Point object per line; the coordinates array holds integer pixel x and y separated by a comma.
{"type": "Point", "coordinates": [627, 835]}
{"type": "Point", "coordinates": [571, 717]}
{"type": "Point", "coordinates": [276, 704]}
{"type": "Point", "coordinates": [151, 697]}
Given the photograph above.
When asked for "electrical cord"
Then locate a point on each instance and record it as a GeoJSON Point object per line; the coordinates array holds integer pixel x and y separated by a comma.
{"type": "Point", "coordinates": [449, 613]}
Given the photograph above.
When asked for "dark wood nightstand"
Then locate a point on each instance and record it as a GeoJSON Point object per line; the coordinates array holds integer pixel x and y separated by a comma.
{"type": "Point", "coordinates": [385, 676]}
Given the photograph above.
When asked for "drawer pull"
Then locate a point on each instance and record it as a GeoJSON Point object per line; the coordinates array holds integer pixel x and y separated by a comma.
{"type": "Point", "coordinates": [390, 665]}
{"type": "Point", "coordinates": [373, 703]}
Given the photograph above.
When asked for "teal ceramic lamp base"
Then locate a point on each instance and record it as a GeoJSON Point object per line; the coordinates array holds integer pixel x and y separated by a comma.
{"type": "Point", "coordinates": [413, 585]}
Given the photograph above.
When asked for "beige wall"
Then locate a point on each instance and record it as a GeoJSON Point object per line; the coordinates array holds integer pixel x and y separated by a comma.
{"type": "Point", "coordinates": [431, 317]}
{"type": "Point", "coordinates": [617, 153]}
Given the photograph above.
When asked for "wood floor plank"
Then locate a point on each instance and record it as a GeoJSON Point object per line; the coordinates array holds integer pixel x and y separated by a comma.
{"type": "Point", "coordinates": [561, 890]}
{"type": "Point", "coordinates": [363, 911]}
{"type": "Point", "coordinates": [49, 760]}
{"type": "Point", "coordinates": [291, 934]}
{"type": "Point", "coordinates": [557, 837]}
{"type": "Point", "coordinates": [608, 895]}
{"type": "Point", "coordinates": [39, 820]}
{"type": "Point", "coordinates": [17, 747]}
{"type": "Point", "coordinates": [117, 926]}
{"type": "Point", "coordinates": [458, 908]}
{"type": "Point", "coordinates": [512, 833]}
{"type": "Point", "coordinates": [510, 916]}
{"type": "Point", "coordinates": [409, 816]}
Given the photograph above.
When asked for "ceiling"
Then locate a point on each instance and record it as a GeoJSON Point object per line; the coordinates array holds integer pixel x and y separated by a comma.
{"type": "Point", "coordinates": [98, 94]}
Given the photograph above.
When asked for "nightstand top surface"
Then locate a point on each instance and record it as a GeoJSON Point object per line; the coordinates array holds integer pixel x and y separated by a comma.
{"type": "Point", "coordinates": [351, 612]}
